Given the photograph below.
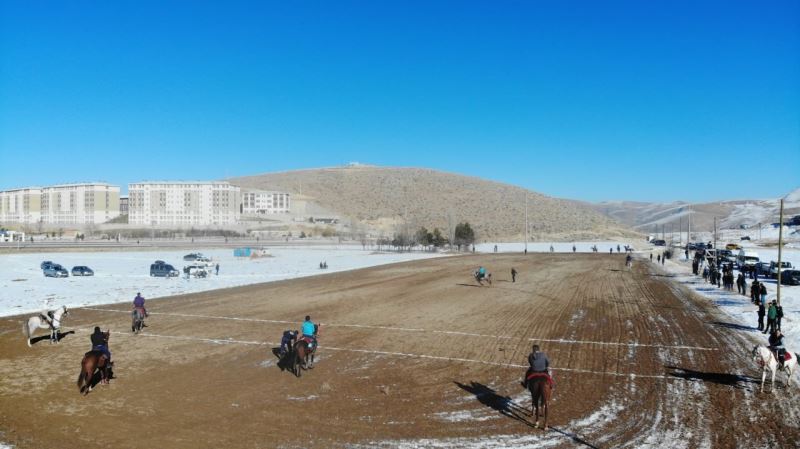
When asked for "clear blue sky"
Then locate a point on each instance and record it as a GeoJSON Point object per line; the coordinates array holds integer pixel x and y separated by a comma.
{"type": "Point", "coordinates": [592, 100]}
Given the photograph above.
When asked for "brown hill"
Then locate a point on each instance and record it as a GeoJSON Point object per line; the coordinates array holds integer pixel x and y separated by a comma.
{"type": "Point", "coordinates": [385, 198]}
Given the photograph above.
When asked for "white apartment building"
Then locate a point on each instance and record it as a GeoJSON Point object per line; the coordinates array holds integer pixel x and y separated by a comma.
{"type": "Point", "coordinates": [72, 204]}
{"type": "Point", "coordinates": [258, 202]}
{"type": "Point", "coordinates": [79, 204]}
{"type": "Point", "coordinates": [191, 203]}
{"type": "Point", "coordinates": [21, 205]}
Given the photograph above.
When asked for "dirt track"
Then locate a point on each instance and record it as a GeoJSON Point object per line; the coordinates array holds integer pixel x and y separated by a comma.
{"type": "Point", "coordinates": [411, 355]}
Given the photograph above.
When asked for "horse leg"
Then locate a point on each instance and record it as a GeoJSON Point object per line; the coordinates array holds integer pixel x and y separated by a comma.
{"type": "Point", "coordinates": [546, 402]}
{"type": "Point", "coordinates": [772, 384]}
{"type": "Point", "coordinates": [763, 378]}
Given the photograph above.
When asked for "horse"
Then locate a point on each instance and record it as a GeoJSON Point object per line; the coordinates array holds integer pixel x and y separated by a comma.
{"type": "Point", "coordinates": [486, 277]}
{"type": "Point", "coordinates": [766, 359]}
{"type": "Point", "coordinates": [541, 391]}
{"type": "Point", "coordinates": [302, 357]}
{"type": "Point", "coordinates": [92, 361]}
{"type": "Point", "coordinates": [137, 320]}
{"type": "Point", "coordinates": [42, 321]}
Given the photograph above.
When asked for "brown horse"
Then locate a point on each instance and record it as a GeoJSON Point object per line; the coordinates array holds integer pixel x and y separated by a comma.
{"type": "Point", "coordinates": [541, 390]}
{"type": "Point", "coordinates": [303, 357]}
{"type": "Point", "coordinates": [92, 361]}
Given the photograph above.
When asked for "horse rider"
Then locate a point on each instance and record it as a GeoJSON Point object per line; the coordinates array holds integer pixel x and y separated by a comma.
{"type": "Point", "coordinates": [539, 364]}
{"type": "Point", "coordinates": [138, 303]}
{"type": "Point", "coordinates": [310, 332]}
{"type": "Point", "coordinates": [287, 341]}
{"type": "Point", "coordinates": [628, 260]}
{"type": "Point", "coordinates": [481, 272]}
{"type": "Point", "coordinates": [100, 343]}
{"type": "Point", "coordinates": [49, 317]}
{"type": "Point", "coordinates": [776, 346]}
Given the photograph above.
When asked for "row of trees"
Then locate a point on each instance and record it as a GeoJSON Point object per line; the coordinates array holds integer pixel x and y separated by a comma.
{"type": "Point", "coordinates": [463, 237]}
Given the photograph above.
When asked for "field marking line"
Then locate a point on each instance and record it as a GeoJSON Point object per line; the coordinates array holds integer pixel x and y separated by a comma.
{"type": "Point", "coordinates": [387, 353]}
{"type": "Point", "coordinates": [412, 329]}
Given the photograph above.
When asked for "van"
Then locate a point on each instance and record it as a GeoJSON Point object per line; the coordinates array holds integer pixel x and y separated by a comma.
{"type": "Point", "coordinates": [747, 258]}
{"type": "Point", "coordinates": [162, 269]}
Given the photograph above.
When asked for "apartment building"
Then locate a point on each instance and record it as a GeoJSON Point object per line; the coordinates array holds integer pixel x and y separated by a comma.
{"type": "Point", "coordinates": [123, 205]}
{"type": "Point", "coordinates": [191, 203]}
{"type": "Point", "coordinates": [258, 202]}
{"type": "Point", "coordinates": [68, 204]}
{"type": "Point", "coordinates": [79, 204]}
{"type": "Point", "coordinates": [21, 205]}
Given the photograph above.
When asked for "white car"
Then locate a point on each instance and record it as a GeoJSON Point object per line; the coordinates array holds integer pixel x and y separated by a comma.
{"type": "Point", "coordinates": [773, 268]}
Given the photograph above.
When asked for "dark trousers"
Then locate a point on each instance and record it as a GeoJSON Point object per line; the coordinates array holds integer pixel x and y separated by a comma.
{"type": "Point", "coordinates": [770, 325]}
{"type": "Point", "coordinates": [761, 321]}
{"type": "Point", "coordinates": [778, 322]}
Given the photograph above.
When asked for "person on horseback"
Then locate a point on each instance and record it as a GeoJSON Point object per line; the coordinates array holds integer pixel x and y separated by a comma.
{"type": "Point", "coordinates": [310, 332]}
{"type": "Point", "coordinates": [539, 364]}
{"type": "Point", "coordinates": [100, 343]}
{"type": "Point", "coordinates": [287, 341]}
{"type": "Point", "coordinates": [138, 303]}
{"type": "Point", "coordinates": [481, 272]}
{"type": "Point", "coordinates": [776, 346]}
{"type": "Point", "coordinates": [49, 317]}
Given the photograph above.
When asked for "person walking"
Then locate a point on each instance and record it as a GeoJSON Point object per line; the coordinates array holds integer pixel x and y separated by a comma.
{"type": "Point", "coordinates": [217, 267]}
{"type": "Point", "coordinates": [513, 274]}
{"type": "Point", "coordinates": [761, 313]}
{"type": "Point", "coordinates": [772, 315]}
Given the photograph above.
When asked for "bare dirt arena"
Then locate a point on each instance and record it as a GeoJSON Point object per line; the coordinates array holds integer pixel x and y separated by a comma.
{"type": "Point", "coordinates": [412, 355]}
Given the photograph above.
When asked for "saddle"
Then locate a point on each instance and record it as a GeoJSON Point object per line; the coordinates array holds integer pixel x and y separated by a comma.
{"type": "Point", "coordinates": [536, 376]}
{"type": "Point", "coordinates": [48, 318]}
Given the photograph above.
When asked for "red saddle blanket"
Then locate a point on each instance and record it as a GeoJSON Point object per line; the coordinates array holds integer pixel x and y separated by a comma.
{"type": "Point", "coordinates": [787, 356]}
{"type": "Point", "coordinates": [545, 376]}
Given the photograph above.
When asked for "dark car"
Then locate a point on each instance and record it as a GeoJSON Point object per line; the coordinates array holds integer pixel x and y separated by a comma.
{"type": "Point", "coordinates": [790, 277]}
{"type": "Point", "coordinates": [55, 270]}
{"type": "Point", "coordinates": [747, 237]}
{"type": "Point", "coordinates": [45, 264]}
{"type": "Point", "coordinates": [163, 269]}
{"type": "Point", "coordinates": [659, 242]}
{"type": "Point", "coordinates": [82, 270]}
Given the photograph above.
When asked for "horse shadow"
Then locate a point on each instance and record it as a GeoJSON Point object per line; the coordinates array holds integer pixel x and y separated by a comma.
{"type": "Point", "coordinates": [502, 404]}
{"type": "Point", "coordinates": [59, 336]}
{"type": "Point", "coordinates": [284, 363]}
{"type": "Point", "coordinates": [731, 380]}
{"type": "Point", "coordinates": [469, 285]}
{"type": "Point", "coordinates": [97, 377]}
{"type": "Point", "coordinates": [735, 326]}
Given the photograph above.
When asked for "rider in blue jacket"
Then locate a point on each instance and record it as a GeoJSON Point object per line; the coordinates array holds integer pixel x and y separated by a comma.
{"type": "Point", "coordinates": [310, 331]}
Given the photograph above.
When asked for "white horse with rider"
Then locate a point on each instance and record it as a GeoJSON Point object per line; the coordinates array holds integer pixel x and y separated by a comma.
{"type": "Point", "coordinates": [766, 359]}
{"type": "Point", "coordinates": [50, 319]}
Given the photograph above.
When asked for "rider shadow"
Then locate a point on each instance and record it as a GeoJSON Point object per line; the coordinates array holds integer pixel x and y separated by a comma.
{"type": "Point", "coordinates": [283, 362]}
{"type": "Point", "coordinates": [735, 326]}
{"type": "Point", "coordinates": [503, 404]}
{"type": "Point", "coordinates": [732, 380]}
{"type": "Point", "coordinates": [60, 336]}
{"type": "Point", "coordinates": [469, 285]}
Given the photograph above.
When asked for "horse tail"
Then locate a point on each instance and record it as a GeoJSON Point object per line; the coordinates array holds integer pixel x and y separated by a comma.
{"type": "Point", "coordinates": [26, 330]}
{"type": "Point", "coordinates": [82, 376]}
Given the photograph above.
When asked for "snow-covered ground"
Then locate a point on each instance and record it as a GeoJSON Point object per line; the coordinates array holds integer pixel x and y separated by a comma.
{"type": "Point", "coordinates": [558, 247]}
{"type": "Point", "coordinates": [739, 306]}
{"type": "Point", "coordinates": [120, 275]}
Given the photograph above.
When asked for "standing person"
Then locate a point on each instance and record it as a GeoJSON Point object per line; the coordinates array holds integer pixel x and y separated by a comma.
{"type": "Point", "coordinates": [663, 259]}
{"type": "Point", "coordinates": [551, 248]}
{"type": "Point", "coordinates": [754, 291]}
{"type": "Point", "coordinates": [772, 315]}
{"type": "Point", "coordinates": [618, 248]}
{"type": "Point", "coordinates": [705, 273]}
{"type": "Point", "coordinates": [762, 289]}
{"type": "Point", "coordinates": [778, 315]}
{"type": "Point", "coordinates": [611, 250]}
{"type": "Point", "coordinates": [539, 363]}
{"type": "Point", "coordinates": [573, 248]}
{"type": "Point", "coordinates": [287, 341]}
{"type": "Point", "coordinates": [651, 257]}
{"type": "Point", "coordinates": [217, 269]}
{"type": "Point", "coordinates": [658, 258]}
{"type": "Point", "coordinates": [744, 284]}
{"type": "Point", "coordinates": [513, 274]}
{"type": "Point", "coordinates": [761, 313]}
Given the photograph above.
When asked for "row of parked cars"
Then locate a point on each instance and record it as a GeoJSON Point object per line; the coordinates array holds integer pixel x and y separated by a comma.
{"type": "Point", "coordinates": [52, 269]}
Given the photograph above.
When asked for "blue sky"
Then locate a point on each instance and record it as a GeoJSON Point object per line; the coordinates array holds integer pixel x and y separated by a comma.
{"type": "Point", "coordinates": [640, 100]}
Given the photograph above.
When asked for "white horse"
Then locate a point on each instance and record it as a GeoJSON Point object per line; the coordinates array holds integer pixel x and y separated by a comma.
{"type": "Point", "coordinates": [766, 359]}
{"type": "Point", "coordinates": [44, 322]}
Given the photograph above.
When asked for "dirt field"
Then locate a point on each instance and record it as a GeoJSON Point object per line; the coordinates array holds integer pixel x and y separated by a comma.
{"type": "Point", "coordinates": [412, 355]}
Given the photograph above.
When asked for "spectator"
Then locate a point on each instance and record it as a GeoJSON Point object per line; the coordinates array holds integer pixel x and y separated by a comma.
{"type": "Point", "coordinates": [651, 257]}
{"type": "Point", "coordinates": [760, 317]}
{"type": "Point", "coordinates": [778, 316]}
{"type": "Point", "coordinates": [513, 274]}
{"type": "Point", "coordinates": [658, 258]}
{"type": "Point", "coordinates": [754, 291]}
{"type": "Point", "coordinates": [762, 289]}
{"type": "Point", "coordinates": [772, 315]}
{"type": "Point", "coordinates": [663, 259]}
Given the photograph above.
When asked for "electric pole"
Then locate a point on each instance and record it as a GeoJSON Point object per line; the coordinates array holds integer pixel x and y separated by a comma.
{"type": "Point", "coordinates": [780, 251]}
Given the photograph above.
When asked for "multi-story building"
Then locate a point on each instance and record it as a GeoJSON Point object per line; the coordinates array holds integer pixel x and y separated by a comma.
{"type": "Point", "coordinates": [183, 203]}
{"type": "Point", "coordinates": [79, 204]}
{"type": "Point", "coordinates": [76, 204]}
{"type": "Point", "coordinates": [257, 202]}
{"type": "Point", "coordinates": [123, 205]}
{"type": "Point", "coordinates": [21, 205]}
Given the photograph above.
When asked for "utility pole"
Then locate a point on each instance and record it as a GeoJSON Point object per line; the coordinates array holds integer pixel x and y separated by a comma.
{"type": "Point", "coordinates": [526, 222]}
{"type": "Point", "coordinates": [780, 251]}
{"type": "Point", "coordinates": [716, 249]}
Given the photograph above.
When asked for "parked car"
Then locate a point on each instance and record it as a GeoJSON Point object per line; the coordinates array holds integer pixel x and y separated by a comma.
{"type": "Point", "coordinates": [773, 268]}
{"type": "Point", "coordinates": [747, 257]}
{"type": "Point", "coordinates": [82, 270]}
{"type": "Point", "coordinates": [790, 277]}
{"type": "Point", "coordinates": [762, 268]}
{"type": "Point", "coordinates": [55, 271]}
{"type": "Point", "coordinates": [163, 269]}
{"type": "Point", "coordinates": [659, 242]}
{"type": "Point", "coordinates": [192, 257]}
{"type": "Point", "coordinates": [196, 270]}
{"type": "Point", "coordinates": [747, 237]}
{"type": "Point", "coordinates": [732, 247]}
{"type": "Point", "coordinates": [45, 264]}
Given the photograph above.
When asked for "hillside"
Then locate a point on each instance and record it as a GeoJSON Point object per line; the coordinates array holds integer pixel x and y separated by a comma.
{"type": "Point", "coordinates": [385, 198]}
{"type": "Point", "coordinates": [730, 214]}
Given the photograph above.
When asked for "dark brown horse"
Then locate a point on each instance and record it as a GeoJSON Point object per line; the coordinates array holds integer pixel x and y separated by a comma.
{"type": "Point", "coordinates": [541, 389]}
{"type": "Point", "coordinates": [303, 357]}
{"type": "Point", "coordinates": [93, 361]}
